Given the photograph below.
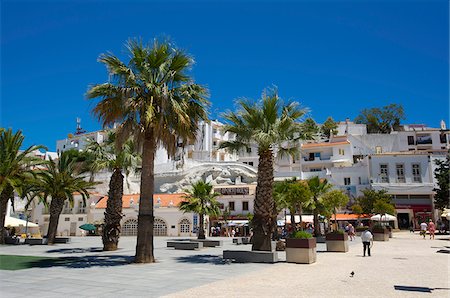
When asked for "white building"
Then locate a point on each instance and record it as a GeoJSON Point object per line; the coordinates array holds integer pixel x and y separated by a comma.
{"type": "Point", "coordinates": [408, 178]}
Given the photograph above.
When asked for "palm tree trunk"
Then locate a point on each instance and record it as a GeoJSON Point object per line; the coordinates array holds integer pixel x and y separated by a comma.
{"type": "Point", "coordinates": [113, 212]}
{"type": "Point", "coordinates": [293, 225]}
{"type": "Point", "coordinates": [264, 215]}
{"type": "Point", "coordinates": [201, 231]}
{"type": "Point", "coordinates": [56, 207]}
{"type": "Point", "coordinates": [144, 246]}
{"type": "Point", "coordinates": [6, 194]}
{"type": "Point", "coordinates": [300, 212]}
{"type": "Point", "coordinates": [316, 219]}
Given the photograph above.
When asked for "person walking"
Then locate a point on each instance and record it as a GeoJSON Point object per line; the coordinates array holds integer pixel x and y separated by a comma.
{"type": "Point", "coordinates": [423, 229]}
{"type": "Point", "coordinates": [367, 240]}
{"type": "Point", "coordinates": [411, 226]}
{"type": "Point", "coordinates": [431, 228]}
{"type": "Point", "coordinates": [351, 232]}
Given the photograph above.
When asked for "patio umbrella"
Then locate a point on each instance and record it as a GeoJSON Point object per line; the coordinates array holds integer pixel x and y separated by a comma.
{"type": "Point", "coordinates": [383, 217]}
{"type": "Point", "coordinates": [446, 214]}
{"type": "Point", "coordinates": [88, 227]}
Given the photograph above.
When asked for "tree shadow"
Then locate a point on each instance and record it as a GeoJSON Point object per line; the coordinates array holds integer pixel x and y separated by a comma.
{"type": "Point", "coordinates": [201, 259]}
{"type": "Point", "coordinates": [75, 250]}
{"type": "Point", "coordinates": [417, 289]}
{"type": "Point", "coordinates": [82, 262]}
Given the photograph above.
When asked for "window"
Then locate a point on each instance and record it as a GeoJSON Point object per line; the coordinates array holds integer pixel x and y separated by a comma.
{"type": "Point", "coordinates": [400, 173]}
{"type": "Point", "coordinates": [250, 163]}
{"type": "Point", "coordinates": [347, 181]}
{"type": "Point", "coordinates": [214, 130]}
{"type": "Point", "coordinates": [410, 140]}
{"type": "Point", "coordinates": [443, 138]}
{"type": "Point", "coordinates": [221, 206]}
{"type": "Point", "coordinates": [245, 206]}
{"type": "Point", "coordinates": [185, 226]}
{"type": "Point", "coordinates": [130, 227]}
{"type": "Point", "coordinates": [67, 219]}
{"type": "Point", "coordinates": [359, 180]}
{"type": "Point", "coordinates": [214, 143]}
{"type": "Point", "coordinates": [249, 150]}
{"type": "Point", "coordinates": [80, 219]}
{"type": "Point", "coordinates": [341, 152]}
{"type": "Point", "coordinates": [416, 173]}
{"type": "Point", "coordinates": [384, 173]}
{"type": "Point", "coordinates": [159, 227]}
{"type": "Point", "coordinates": [378, 150]}
{"type": "Point", "coordinates": [231, 206]}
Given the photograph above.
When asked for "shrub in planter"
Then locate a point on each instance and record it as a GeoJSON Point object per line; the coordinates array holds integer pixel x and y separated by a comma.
{"type": "Point", "coordinates": [301, 248]}
{"type": "Point", "coordinates": [337, 241]}
{"type": "Point", "coordinates": [380, 233]}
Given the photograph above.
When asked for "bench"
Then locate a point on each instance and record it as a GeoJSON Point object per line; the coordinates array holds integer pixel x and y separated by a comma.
{"type": "Point", "coordinates": [172, 243]}
{"type": "Point", "coordinates": [188, 245]}
{"type": "Point", "coordinates": [36, 241]}
{"type": "Point", "coordinates": [208, 242]}
{"type": "Point", "coordinates": [244, 256]}
{"type": "Point", "coordinates": [61, 240]}
{"type": "Point", "coordinates": [241, 240]}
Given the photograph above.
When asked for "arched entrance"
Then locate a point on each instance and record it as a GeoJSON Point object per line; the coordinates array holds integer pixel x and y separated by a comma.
{"type": "Point", "coordinates": [184, 227]}
{"type": "Point", "coordinates": [129, 227]}
{"type": "Point", "coordinates": [159, 227]}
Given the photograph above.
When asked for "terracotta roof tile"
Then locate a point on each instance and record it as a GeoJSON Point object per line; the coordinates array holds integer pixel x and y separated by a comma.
{"type": "Point", "coordinates": [160, 200]}
{"type": "Point", "coordinates": [314, 145]}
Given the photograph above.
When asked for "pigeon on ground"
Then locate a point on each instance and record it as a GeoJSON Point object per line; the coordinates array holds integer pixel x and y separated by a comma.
{"type": "Point", "coordinates": [352, 273]}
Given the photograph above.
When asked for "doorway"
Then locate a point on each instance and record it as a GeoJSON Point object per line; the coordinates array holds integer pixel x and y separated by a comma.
{"type": "Point", "coordinates": [403, 221]}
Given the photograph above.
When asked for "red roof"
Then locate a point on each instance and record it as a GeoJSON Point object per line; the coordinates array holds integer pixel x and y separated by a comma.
{"type": "Point", "coordinates": [161, 200]}
{"type": "Point", "coordinates": [350, 216]}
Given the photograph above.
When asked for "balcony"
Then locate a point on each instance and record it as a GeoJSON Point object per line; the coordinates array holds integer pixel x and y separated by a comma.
{"type": "Point", "coordinates": [308, 175]}
{"type": "Point", "coordinates": [81, 210]}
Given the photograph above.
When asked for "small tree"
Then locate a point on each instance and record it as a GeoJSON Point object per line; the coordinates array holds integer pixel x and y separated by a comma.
{"type": "Point", "coordinates": [293, 195]}
{"type": "Point", "coordinates": [333, 200]}
{"type": "Point", "coordinates": [381, 207]}
{"type": "Point", "coordinates": [367, 200]}
{"type": "Point", "coordinates": [318, 188]}
{"type": "Point", "coordinates": [382, 120]}
{"type": "Point", "coordinates": [201, 199]}
{"type": "Point", "coordinates": [328, 127]}
{"type": "Point", "coordinates": [356, 209]}
{"type": "Point", "coordinates": [442, 175]}
{"type": "Point", "coordinates": [310, 129]}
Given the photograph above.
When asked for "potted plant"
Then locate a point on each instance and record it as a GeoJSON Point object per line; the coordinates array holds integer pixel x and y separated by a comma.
{"type": "Point", "coordinates": [301, 248]}
{"type": "Point", "coordinates": [380, 233]}
{"type": "Point", "coordinates": [337, 241]}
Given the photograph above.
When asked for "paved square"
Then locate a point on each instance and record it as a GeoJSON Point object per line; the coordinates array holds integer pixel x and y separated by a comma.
{"type": "Point", "coordinates": [406, 266]}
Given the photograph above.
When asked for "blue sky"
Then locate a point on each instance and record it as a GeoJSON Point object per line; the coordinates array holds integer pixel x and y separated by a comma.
{"type": "Point", "coordinates": [334, 57]}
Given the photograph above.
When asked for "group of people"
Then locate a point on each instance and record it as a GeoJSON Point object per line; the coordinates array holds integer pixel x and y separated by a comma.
{"type": "Point", "coordinates": [430, 227]}
{"type": "Point", "coordinates": [350, 230]}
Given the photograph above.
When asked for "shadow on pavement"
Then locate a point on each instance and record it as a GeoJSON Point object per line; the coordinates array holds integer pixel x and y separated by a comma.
{"type": "Point", "coordinates": [75, 250]}
{"type": "Point", "coordinates": [82, 262]}
{"type": "Point", "coordinates": [444, 251]}
{"type": "Point", "coordinates": [201, 259]}
{"type": "Point", "coordinates": [417, 289]}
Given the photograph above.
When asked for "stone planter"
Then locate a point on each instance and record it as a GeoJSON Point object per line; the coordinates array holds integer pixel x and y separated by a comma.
{"type": "Point", "coordinates": [301, 251]}
{"type": "Point", "coordinates": [379, 235]}
{"type": "Point", "coordinates": [337, 242]}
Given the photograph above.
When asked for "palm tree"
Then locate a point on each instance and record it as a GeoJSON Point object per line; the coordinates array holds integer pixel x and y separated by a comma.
{"type": "Point", "coordinates": [201, 199]}
{"type": "Point", "coordinates": [118, 161]}
{"type": "Point", "coordinates": [155, 100]}
{"type": "Point", "coordinates": [270, 125]}
{"type": "Point", "coordinates": [293, 195]}
{"type": "Point", "coordinates": [318, 187]}
{"type": "Point", "coordinates": [60, 181]}
{"type": "Point", "coordinates": [16, 169]}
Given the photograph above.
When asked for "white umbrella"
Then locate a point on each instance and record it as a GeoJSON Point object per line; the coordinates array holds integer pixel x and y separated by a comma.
{"type": "Point", "coordinates": [383, 217]}
{"type": "Point", "coordinates": [446, 214]}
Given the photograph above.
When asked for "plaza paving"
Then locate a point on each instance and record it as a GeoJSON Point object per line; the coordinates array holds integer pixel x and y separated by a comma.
{"type": "Point", "coordinates": [406, 266]}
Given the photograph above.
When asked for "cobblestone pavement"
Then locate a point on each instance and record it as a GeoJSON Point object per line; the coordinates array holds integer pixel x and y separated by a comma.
{"type": "Point", "coordinates": [404, 263]}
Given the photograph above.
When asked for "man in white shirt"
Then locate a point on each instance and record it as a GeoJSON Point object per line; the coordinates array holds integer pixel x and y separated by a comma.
{"type": "Point", "coordinates": [366, 238]}
{"type": "Point", "coordinates": [423, 229]}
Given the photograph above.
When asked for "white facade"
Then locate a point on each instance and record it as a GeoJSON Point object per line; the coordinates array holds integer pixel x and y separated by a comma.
{"type": "Point", "coordinates": [79, 142]}
{"type": "Point", "coordinates": [408, 178]}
